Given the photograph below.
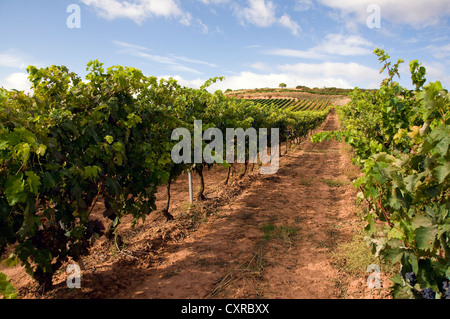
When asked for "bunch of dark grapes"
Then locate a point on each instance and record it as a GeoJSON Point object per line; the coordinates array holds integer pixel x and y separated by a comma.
{"type": "Point", "coordinates": [411, 278]}
{"type": "Point", "coordinates": [446, 288]}
{"type": "Point", "coordinates": [428, 293]}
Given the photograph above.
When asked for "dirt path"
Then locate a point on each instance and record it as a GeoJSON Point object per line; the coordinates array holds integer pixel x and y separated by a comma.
{"type": "Point", "coordinates": [272, 241]}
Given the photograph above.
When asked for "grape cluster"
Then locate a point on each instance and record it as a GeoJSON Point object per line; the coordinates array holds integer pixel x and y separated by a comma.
{"type": "Point", "coordinates": [428, 293]}
{"type": "Point", "coordinates": [446, 288]}
{"type": "Point", "coordinates": [411, 276]}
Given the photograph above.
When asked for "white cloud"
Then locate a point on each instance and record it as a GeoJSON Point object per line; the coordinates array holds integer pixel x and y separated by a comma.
{"type": "Point", "coordinates": [416, 13]}
{"type": "Point", "coordinates": [259, 13]}
{"type": "Point", "coordinates": [214, 1]}
{"type": "Point", "coordinates": [12, 58]}
{"type": "Point", "coordinates": [18, 81]}
{"type": "Point", "coordinates": [12, 61]}
{"type": "Point", "coordinates": [303, 5]}
{"type": "Point", "coordinates": [194, 61]}
{"type": "Point", "coordinates": [253, 46]}
{"type": "Point", "coordinates": [302, 54]}
{"type": "Point", "coordinates": [286, 21]}
{"type": "Point", "coordinates": [437, 72]}
{"type": "Point", "coordinates": [139, 10]}
{"type": "Point", "coordinates": [351, 73]}
{"type": "Point", "coordinates": [331, 45]}
{"type": "Point", "coordinates": [130, 47]}
{"type": "Point", "coordinates": [345, 45]}
{"type": "Point", "coordinates": [203, 26]}
{"type": "Point", "coordinates": [439, 51]}
{"type": "Point", "coordinates": [173, 62]}
{"type": "Point", "coordinates": [329, 74]}
{"type": "Point", "coordinates": [260, 66]}
{"type": "Point", "coordinates": [182, 68]}
{"type": "Point", "coordinates": [250, 80]}
{"type": "Point", "coordinates": [262, 13]}
{"type": "Point", "coordinates": [195, 84]}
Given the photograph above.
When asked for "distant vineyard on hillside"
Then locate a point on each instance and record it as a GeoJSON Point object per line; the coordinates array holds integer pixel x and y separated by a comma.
{"type": "Point", "coordinates": [295, 104]}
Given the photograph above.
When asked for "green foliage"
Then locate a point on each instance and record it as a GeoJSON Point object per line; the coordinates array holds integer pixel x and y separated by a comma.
{"type": "Point", "coordinates": [401, 140]}
{"type": "Point", "coordinates": [6, 289]}
{"type": "Point", "coordinates": [72, 142]}
{"type": "Point", "coordinates": [285, 233]}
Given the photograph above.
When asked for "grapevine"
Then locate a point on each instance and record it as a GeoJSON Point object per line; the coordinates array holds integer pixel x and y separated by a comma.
{"type": "Point", "coordinates": [401, 142]}
{"type": "Point", "coordinates": [73, 142]}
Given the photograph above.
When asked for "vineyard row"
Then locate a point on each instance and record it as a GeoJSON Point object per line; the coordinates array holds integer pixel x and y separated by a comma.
{"type": "Point", "coordinates": [295, 105]}
{"type": "Point", "coordinates": [72, 142]}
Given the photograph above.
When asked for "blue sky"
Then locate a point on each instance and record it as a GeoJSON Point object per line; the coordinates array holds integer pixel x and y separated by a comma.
{"type": "Point", "coordinates": [253, 43]}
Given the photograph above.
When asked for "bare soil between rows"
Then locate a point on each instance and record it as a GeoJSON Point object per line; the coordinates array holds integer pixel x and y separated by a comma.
{"type": "Point", "coordinates": [218, 248]}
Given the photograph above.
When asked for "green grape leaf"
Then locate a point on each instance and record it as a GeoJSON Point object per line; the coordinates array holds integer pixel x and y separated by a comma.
{"type": "Point", "coordinates": [43, 258]}
{"type": "Point", "coordinates": [442, 172]}
{"type": "Point", "coordinates": [109, 139]}
{"type": "Point", "coordinates": [425, 237]}
{"type": "Point", "coordinates": [23, 151]}
{"type": "Point", "coordinates": [41, 150]}
{"type": "Point", "coordinates": [15, 189]}
{"type": "Point", "coordinates": [91, 172]}
{"type": "Point", "coordinates": [421, 221]}
{"type": "Point", "coordinates": [6, 288]}
{"type": "Point", "coordinates": [33, 181]}
{"type": "Point", "coordinates": [396, 232]}
{"type": "Point", "coordinates": [11, 261]}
